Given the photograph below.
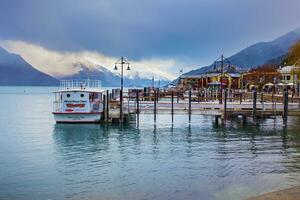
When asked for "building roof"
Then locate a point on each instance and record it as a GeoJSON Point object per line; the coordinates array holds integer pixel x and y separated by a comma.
{"type": "Point", "coordinates": [211, 74]}
{"type": "Point", "coordinates": [286, 69]}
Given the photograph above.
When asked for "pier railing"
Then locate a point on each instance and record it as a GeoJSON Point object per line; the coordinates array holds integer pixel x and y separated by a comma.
{"type": "Point", "coordinates": [79, 84]}
{"type": "Point", "coordinates": [221, 104]}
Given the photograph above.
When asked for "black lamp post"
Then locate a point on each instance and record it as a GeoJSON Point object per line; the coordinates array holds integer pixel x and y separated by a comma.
{"type": "Point", "coordinates": [122, 61]}
{"type": "Point", "coordinates": [222, 60]}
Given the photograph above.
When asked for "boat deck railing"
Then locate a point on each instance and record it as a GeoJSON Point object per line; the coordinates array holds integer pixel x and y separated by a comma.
{"type": "Point", "coordinates": [79, 84]}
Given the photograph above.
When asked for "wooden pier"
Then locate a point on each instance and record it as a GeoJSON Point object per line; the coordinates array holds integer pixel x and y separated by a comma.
{"type": "Point", "coordinates": [223, 105]}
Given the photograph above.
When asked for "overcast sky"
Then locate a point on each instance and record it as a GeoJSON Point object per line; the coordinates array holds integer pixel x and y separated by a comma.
{"type": "Point", "coordinates": [190, 32]}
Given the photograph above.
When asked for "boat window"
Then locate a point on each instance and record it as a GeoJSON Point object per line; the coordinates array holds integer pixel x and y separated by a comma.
{"type": "Point", "coordinates": [82, 95]}
{"type": "Point", "coordinates": [68, 95]}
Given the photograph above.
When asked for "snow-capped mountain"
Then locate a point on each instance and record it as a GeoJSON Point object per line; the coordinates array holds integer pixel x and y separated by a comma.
{"type": "Point", "coordinates": [112, 78]}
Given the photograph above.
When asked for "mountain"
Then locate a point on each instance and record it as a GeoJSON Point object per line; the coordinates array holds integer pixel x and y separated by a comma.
{"type": "Point", "coordinates": [259, 53]}
{"type": "Point", "coordinates": [110, 79]}
{"type": "Point", "coordinates": [14, 70]}
{"type": "Point", "coordinates": [293, 57]}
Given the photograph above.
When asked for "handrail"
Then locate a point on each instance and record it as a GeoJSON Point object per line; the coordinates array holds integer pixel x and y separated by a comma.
{"type": "Point", "coordinates": [79, 84]}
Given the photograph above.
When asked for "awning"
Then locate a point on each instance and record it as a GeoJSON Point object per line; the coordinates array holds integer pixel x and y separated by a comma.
{"type": "Point", "coordinates": [216, 83]}
{"type": "Point", "coordinates": [290, 84]}
{"type": "Point", "coordinates": [269, 84]}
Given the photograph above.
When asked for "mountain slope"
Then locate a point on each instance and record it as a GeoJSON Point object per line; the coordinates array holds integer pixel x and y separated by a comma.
{"type": "Point", "coordinates": [260, 53]}
{"type": "Point", "coordinates": [14, 70]}
{"type": "Point", "coordinates": [293, 57]}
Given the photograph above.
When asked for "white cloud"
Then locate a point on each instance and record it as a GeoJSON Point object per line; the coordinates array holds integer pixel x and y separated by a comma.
{"type": "Point", "coordinates": [59, 64]}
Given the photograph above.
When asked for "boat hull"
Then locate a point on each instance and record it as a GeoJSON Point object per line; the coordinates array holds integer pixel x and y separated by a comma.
{"type": "Point", "coordinates": [77, 117]}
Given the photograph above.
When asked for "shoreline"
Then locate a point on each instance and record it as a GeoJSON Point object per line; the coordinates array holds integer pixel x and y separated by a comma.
{"type": "Point", "coordinates": [285, 194]}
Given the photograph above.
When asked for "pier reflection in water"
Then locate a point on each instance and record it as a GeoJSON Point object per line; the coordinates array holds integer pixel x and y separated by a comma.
{"type": "Point", "coordinates": [180, 161]}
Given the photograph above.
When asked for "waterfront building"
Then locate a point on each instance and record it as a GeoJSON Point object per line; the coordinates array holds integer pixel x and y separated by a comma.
{"type": "Point", "coordinates": [289, 75]}
{"type": "Point", "coordinates": [229, 79]}
{"type": "Point", "coordinates": [260, 78]}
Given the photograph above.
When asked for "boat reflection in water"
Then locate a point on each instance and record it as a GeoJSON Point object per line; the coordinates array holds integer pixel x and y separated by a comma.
{"type": "Point", "coordinates": [160, 161]}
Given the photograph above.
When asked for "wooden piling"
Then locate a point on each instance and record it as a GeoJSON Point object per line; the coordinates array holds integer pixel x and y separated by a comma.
{"type": "Point", "coordinates": [107, 105]}
{"type": "Point", "coordinates": [155, 105]}
{"type": "Point", "coordinates": [190, 104]}
{"type": "Point", "coordinates": [254, 96]}
{"type": "Point", "coordinates": [217, 119]}
{"type": "Point", "coordinates": [104, 108]}
{"type": "Point", "coordinates": [244, 119]}
{"type": "Point", "coordinates": [172, 106]}
{"type": "Point", "coordinates": [241, 97]}
{"type": "Point", "coordinates": [262, 103]}
{"type": "Point", "coordinates": [121, 106]}
{"type": "Point", "coordinates": [225, 105]}
{"type": "Point", "coordinates": [285, 107]}
{"type": "Point", "coordinates": [137, 109]}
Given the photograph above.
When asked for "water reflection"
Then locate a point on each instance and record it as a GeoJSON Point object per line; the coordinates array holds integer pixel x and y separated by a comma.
{"type": "Point", "coordinates": [112, 161]}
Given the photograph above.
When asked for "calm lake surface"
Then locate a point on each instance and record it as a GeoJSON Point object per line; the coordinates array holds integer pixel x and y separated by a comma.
{"type": "Point", "coordinates": [43, 160]}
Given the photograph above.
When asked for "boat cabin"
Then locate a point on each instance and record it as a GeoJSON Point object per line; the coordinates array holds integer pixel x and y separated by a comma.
{"type": "Point", "coordinates": [78, 101]}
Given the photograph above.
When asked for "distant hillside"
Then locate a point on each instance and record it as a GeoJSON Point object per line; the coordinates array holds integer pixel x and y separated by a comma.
{"type": "Point", "coordinates": [260, 53]}
{"type": "Point", "coordinates": [293, 56]}
{"type": "Point", "coordinates": [14, 70]}
{"type": "Point", "coordinates": [110, 79]}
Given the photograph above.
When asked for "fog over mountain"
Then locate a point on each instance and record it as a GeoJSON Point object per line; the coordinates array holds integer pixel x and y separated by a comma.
{"type": "Point", "coordinates": [14, 70]}
{"type": "Point", "coordinates": [111, 79]}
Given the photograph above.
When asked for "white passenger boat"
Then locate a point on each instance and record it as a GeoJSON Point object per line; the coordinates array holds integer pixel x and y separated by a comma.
{"type": "Point", "coordinates": [78, 101]}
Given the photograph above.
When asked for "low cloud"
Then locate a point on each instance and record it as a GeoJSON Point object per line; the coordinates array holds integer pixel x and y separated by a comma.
{"type": "Point", "coordinates": [59, 64]}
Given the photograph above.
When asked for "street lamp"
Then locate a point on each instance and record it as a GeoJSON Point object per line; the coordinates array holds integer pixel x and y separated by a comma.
{"type": "Point", "coordinates": [222, 60]}
{"type": "Point", "coordinates": [121, 62]}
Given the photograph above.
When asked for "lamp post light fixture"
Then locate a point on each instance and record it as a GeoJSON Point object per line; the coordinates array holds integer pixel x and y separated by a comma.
{"type": "Point", "coordinates": [121, 62]}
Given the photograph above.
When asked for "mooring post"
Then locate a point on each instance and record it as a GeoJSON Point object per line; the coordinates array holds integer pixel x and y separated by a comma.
{"type": "Point", "coordinates": [121, 106]}
{"type": "Point", "coordinates": [217, 119]}
{"type": "Point", "coordinates": [298, 89]}
{"type": "Point", "coordinates": [155, 102]}
{"type": "Point", "coordinates": [221, 94]}
{"type": "Point", "coordinates": [244, 119]}
{"type": "Point", "coordinates": [254, 104]}
{"type": "Point", "coordinates": [104, 108]}
{"type": "Point", "coordinates": [190, 104]}
{"type": "Point", "coordinates": [225, 105]}
{"type": "Point", "coordinates": [137, 109]}
{"type": "Point", "coordinates": [285, 107]}
{"type": "Point", "coordinates": [107, 105]}
{"type": "Point", "coordinates": [241, 97]}
{"type": "Point", "coordinates": [172, 106]}
{"type": "Point", "coordinates": [262, 103]}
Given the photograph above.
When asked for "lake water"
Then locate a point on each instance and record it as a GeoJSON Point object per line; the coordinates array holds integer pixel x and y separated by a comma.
{"type": "Point", "coordinates": [43, 160]}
